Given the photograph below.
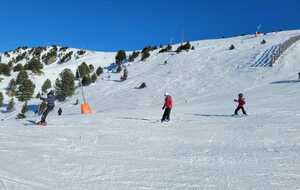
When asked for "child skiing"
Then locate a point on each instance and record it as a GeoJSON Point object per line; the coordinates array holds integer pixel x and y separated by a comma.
{"type": "Point", "coordinates": [241, 102]}
{"type": "Point", "coordinates": [50, 106]}
{"type": "Point", "coordinates": [167, 107]}
{"type": "Point", "coordinates": [59, 112]}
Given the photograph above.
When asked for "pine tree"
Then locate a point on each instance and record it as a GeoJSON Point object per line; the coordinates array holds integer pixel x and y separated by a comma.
{"type": "Point", "coordinates": [91, 67]}
{"type": "Point", "coordinates": [11, 89]}
{"type": "Point", "coordinates": [18, 67]}
{"type": "Point", "coordinates": [5, 69]}
{"type": "Point", "coordinates": [120, 57]}
{"type": "Point", "coordinates": [94, 78]}
{"type": "Point", "coordinates": [134, 55]}
{"type": "Point", "coordinates": [145, 55]}
{"type": "Point", "coordinates": [35, 65]}
{"type": "Point", "coordinates": [25, 90]}
{"type": "Point", "coordinates": [125, 75]}
{"type": "Point", "coordinates": [21, 77]}
{"type": "Point", "coordinates": [47, 85]}
{"type": "Point", "coordinates": [11, 105]}
{"type": "Point", "coordinates": [82, 70]}
{"type": "Point", "coordinates": [86, 80]}
{"type": "Point", "coordinates": [119, 69]}
{"type": "Point", "coordinates": [99, 71]}
{"type": "Point", "coordinates": [187, 46]}
{"type": "Point", "coordinates": [65, 85]}
{"type": "Point", "coordinates": [1, 99]}
{"type": "Point", "coordinates": [23, 111]}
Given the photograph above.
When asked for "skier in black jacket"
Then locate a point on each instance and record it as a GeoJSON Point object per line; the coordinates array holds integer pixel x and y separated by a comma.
{"type": "Point", "coordinates": [50, 106]}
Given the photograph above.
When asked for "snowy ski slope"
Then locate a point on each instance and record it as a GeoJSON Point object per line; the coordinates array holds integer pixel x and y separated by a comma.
{"type": "Point", "coordinates": [123, 146]}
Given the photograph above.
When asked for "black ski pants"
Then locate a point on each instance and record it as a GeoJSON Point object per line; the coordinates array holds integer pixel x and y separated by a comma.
{"type": "Point", "coordinates": [166, 115]}
{"type": "Point", "coordinates": [45, 114]}
{"type": "Point", "coordinates": [238, 109]}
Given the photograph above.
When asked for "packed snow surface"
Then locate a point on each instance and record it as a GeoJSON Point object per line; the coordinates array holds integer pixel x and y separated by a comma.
{"type": "Point", "coordinates": [123, 145]}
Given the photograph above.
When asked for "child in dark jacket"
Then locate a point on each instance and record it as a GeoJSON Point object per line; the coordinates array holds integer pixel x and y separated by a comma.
{"type": "Point", "coordinates": [50, 106]}
{"type": "Point", "coordinates": [59, 112]}
{"type": "Point", "coordinates": [241, 103]}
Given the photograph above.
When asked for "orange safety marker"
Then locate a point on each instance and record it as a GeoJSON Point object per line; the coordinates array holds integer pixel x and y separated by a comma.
{"type": "Point", "coordinates": [85, 108]}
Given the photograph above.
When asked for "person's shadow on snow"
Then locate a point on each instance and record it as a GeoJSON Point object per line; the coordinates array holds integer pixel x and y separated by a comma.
{"type": "Point", "coordinates": [285, 82]}
{"type": "Point", "coordinates": [210, 115]}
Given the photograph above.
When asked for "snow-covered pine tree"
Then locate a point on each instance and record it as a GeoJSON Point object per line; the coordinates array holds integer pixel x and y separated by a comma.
{"type": "Point", "coordinates": [1, 99]}
{"type": "Point", "coordinates": [86, 80]}
{"type": "Point", "coordinates": [11, 88]}
{"type": "Point", "coordinates": [47, 85]}
{"type": "Point", "coordinates": [11, 105]}
{"type": "Point", "coordinates": [94, 78]}
{"type": "Point", "coordinates": [120, 57]}
{"type": "Point", "coordinates": [65, 85]}
{"type": "Point", "coordinates": [23, 111]}
{"type": "Point", "coordinates": [99, 71]}
{"type": "Point", "coordinates": [25, 90]}
{"type": "Point", "coordinates": [21, 77]}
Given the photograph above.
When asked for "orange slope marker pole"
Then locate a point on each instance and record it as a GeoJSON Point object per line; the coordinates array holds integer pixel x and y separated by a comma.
{"type": "Point", "coordinates": [85, 106]}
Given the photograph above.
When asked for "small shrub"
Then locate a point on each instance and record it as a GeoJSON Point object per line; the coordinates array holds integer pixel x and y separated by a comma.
{"type": "Point", "coordinates": [166, 49]}
{"type": "Point", "coordinates": [11, 105]}
{"type": "Point", "coordinates": [50, 57]}
{"type": "Point", "coordinates": [99, 71]}
{"type": "Point", "coordinates": [67, 57]}
{"type": "Point", "coordinates": [92, 68]}
{"type": "Point", "coordinates": [187, 46]}
{"type": "Point", "coordinates": [18, 67]}
{"type": "Point", "coordinates": [263, 42]}
{"type": "Point", "coordinates": [4, 69]}
{"type": "Point", "coordinates": [11, 89]}
{"type": "Point", "coordinates": [38, 95]}
{"type": "Point", "coordinates": [81, 52]}
{"type": "Point", "coordinates": [125, 75]}
{"type": "Point", "coordinates": [232, 47]}
{"type": "Point", "coordinates": [20, 57]}
{"type": "Point", "coordinates": [145, 55]}
{"type": "Point", "coordinates": [63, 49]}
{"type": "Point", "coordinates": [36, 52]}
{"type": "Point", "coordinates": [193, 48]}
{"type": "Point", "coordinates": [134, 55]}
{"type": "Point", "coordinates": [94, 78]}
{"type": "Point", "coordinates": [23, 111]}
{"type": "Point", "coordinates": [119, 69]}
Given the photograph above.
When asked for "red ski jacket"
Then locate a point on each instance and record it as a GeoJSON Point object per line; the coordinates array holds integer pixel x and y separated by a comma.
{"type": "Point", "coordinates": [241, 102]}
{"type": "Point", "coordinates": [168, 102]}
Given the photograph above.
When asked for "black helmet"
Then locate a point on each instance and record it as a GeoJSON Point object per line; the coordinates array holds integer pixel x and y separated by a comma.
{"type": "Point", "coordinates": [241, 94]}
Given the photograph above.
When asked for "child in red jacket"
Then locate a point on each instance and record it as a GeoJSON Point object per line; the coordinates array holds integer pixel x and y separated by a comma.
{"type": "Point", "coordinates": [167, 107]}
{"type": "Point", "coordinates": [241, 102]}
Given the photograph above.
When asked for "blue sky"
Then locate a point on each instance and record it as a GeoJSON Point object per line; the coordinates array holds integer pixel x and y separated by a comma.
{"type": "Point", "coordinates": [110, 25]}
